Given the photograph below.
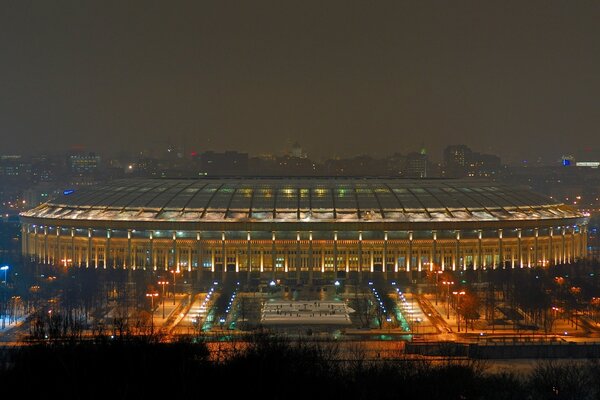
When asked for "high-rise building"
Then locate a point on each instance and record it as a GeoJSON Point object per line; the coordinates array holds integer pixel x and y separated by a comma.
{"type": "Point", "coordinates": [455, 160]}
{"type": "Point", "coordinates": [81, 163]}
{"type": "Point", "coordinates": [416, 165]}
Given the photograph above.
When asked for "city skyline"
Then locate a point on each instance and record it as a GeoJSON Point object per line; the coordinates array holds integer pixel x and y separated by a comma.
{"type": "Point", "coordinates": [341, 80]}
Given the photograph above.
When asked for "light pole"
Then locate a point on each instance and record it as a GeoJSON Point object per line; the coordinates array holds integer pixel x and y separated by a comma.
{"type": "Point", "coordinates": [174, 272]}
{"type": "Point", "coordinates": [152, 296]}
{"type": "Point", "coordinates": [458, 294]}
{"type": "Point", "coordinates": [163, 283]}
{"type": "Point", "coordinates": [447, 284]}
{"type": "Point", "coordinates": [437, 274]}
{"type": "Point", "coordinates": [4, 268]}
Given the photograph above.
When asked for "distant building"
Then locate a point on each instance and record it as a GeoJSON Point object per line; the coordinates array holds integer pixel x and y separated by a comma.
{"type": "Point", "coordinates": [40, 194]}
{"type": "Point", "coordinates": [297, 151]}
{"type": "Point", "coordinates": [455, 160]}
{"type": "Point", "coordinates": [416, 165]}
{"type": "Point", "coordinates": [227, 163]}
{"type": "Point", "coordinates": [460, 161]}
{"type": "Point", "coordinates": [80, 163]}
{"type": "Point", "coordinates": [14, 167]}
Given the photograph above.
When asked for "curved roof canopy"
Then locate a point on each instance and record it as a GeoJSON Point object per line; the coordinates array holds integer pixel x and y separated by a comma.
{"type": "Point", "coordinates": [302, 199]}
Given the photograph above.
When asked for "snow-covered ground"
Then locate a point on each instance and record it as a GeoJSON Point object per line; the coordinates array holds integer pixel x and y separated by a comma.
{"type": "Point", "coordinates": [305, 312]}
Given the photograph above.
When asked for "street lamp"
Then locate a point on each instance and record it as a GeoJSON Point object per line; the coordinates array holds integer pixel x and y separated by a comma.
{"type": "Point", "coordinates": [152, 296]}
{"type": "Point", "coordinates": [447, 284]}
{"type": "Point", "coordinates": [174, 272]}
{"type": "Point", "coordinates": [163, 283]}
{"type": "Point", "coordinates": [4, 268]}
{"type": "Point", "coordinates": [437, 273]}
{"type": "Point", "coordinates": [458, 294]}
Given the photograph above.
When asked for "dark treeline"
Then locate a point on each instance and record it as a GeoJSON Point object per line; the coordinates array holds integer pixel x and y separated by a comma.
{"type": "Point", "coordinates": [268, 368]}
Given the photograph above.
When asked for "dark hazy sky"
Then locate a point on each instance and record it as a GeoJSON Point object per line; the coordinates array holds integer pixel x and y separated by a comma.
{"type": "Point", "coordinates": [517, 78]}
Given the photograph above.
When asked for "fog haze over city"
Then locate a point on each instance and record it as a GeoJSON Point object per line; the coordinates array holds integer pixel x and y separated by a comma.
{"type": "Point", "coordinates": [517, 79]}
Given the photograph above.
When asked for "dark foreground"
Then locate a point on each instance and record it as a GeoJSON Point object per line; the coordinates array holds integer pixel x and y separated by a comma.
{"type": "Point", "coordinates": [265, 368]}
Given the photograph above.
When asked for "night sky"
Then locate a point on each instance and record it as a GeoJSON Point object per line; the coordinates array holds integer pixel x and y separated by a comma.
{"type": "Point", "coordinates": [517, 78]}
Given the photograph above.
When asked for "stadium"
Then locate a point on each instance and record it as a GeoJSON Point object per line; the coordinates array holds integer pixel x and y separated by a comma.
{"type": "Point", "coordinates": [303, 229]}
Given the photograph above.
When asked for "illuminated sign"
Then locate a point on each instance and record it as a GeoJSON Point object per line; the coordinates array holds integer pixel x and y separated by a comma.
{"type": "Point", "coordinates": [68, 191]}
{"type": "Point", "coordinates": [589, 164]}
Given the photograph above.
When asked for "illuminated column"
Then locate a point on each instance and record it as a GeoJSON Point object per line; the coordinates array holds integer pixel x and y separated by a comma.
{"type": "Point", "coordinates": [520, 248]}
{"type": "Point", "coordinates": [298, 259]}
{"type": "Point", "coordinates": [237, 260]}
{"type": "Point", "coordinates": [152, 255]}
{"type": "Point", "coordinates": [551, 259]}
{"type": "Point", "coordinates": [134, 256]}
{"type": "Point", "coordinates": [34, 254]}
{"type": "Point", "coordinates": [262, 259]}
{"type": "Point", "coordinates": [479, 262]}
{"type": "Point", "coordinates": [512, 256]}
{"type": "Point", "coordinates": [88, 260]}
{"type": "Point", "coordinates": [174, 252]}
{"type": "Point", "coordinates": [419, 259]}
{"type": "Point", "coordinates": [199, 251]}
{"type": "Point", "coordinates": [371, 261]}
{"type": "Point", "coordinates": [249, 256]}
{"type": "Point", "coordinates": [384, 263]}
{"type": "Point", "coordinates": [335, 255]}
{"type": "Point", "coordinates": [189, 259]}
{"type": "Point", "coordinates": [564, 245]}
{"type": "Point", "coordinates": [36, 244]}
{"type": "Point", "coordinates": [456, 259]}
{"type": "Point", "coordinates": [433, 259]}
{"type": "Point", "coordinates": [273, 256]}
{"type": "Point", "coordinates": [409, 257]}
{"type": "Point", "coordinates": [544, 253]}
{"type": "Point", "coordinates": [535, 248]}
{"type": "Point", "coordinates": [127, 262]}
{"type": "Point", "coordinates": [500, 249]}
{"type": "Point", "coordinates": [443, 258]}
{"type": "Point", "coordinates": [572, 250]}
{"type": "Point", "coordinates": [322, 260]}
{"type": "Point", "coordinates": [360, 259]}
{"type": "Point", "coordinates": [107, 249]}
{"type": "Point", "coordinates": [57, 256]}
{"type": "Point", "coordinates": [347, 260]}
{"type": "Point", "coordinates": [212, 259]}
{"type": "Point", "coordinates": [167, 258]}
{"type": "Point", "coordinates": [46, 255]}
{"type": "Point", "coordinates": [72, 248]}
{"type": "Point", "coordinates": [310, 258]}
{"type": "Point", "coordinates": [223, 256]}
{"type": "Point", "coordinates": [96, 252]}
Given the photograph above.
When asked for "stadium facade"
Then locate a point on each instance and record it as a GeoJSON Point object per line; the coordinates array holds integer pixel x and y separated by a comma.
{"type": "Point", "coordinates": [303, 228]}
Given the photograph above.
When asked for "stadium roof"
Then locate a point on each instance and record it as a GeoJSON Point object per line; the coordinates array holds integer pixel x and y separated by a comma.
{"type": "Point", "coordinates": [302, 199]}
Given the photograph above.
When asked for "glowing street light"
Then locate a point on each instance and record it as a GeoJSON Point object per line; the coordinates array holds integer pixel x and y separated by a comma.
{"type": "Point", "coordinates": [163, 283]}
{"type": "Point", "coordinates": [152, 296]}
{"type": "Point", "coordinates": [174, 272]}
{"type": "Point", "coordinates": [437, 274]}
{"type": "Point", "coordinates": [458, 295]}
{"type": "Point", "coordinates": [447, 284]}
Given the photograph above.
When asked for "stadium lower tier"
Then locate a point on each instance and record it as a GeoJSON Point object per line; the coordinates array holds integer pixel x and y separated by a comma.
{"type": "Point", "coordinates": [279, 254]}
